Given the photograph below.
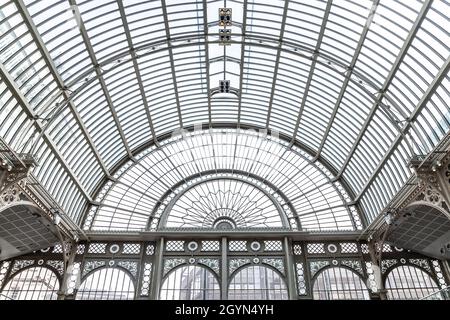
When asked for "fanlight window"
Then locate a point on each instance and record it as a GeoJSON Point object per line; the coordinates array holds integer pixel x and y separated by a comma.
{"type": "Point", "coordinates": [339, 284]}
{"type": "Point", "coordinates": [224, 204]}
{"type": "Point", "coordinates": [190, 283]}
{"type": "Point", "coordinates": [107, 284]}
{"type": "Point", "coordinates": [257, 283]}
{"type": "Point", "coordinates": [408, 282]}
{"type": "Point", "coordinates": [32, 284]}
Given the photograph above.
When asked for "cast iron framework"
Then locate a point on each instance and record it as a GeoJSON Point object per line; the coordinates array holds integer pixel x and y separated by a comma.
{"type": "Point", "coordinates": [148, 263]}
{"type": "Point", "coordinates": [86, 116]}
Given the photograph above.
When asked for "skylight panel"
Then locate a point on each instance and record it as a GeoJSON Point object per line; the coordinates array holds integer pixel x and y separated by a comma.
{"type": "Point", "coordinates": [304, 21]}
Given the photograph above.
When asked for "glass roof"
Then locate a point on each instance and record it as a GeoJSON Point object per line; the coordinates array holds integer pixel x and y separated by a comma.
{"type": "Point", "coordinates": [359, 86]}
{"type": "Point", "coordinates": [295, 192]}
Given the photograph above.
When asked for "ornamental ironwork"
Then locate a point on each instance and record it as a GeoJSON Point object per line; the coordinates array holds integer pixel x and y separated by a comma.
{"type": "Point", "coordinates": [20, 264]}
{"type": "Point", "coordinates": [146, 276]}
{"type": "Point", "coordinates": [175, 246]}
{"type": "Point", "coordinates": [4, 266]}
{"type": "Point", "coordinates": [237, 246]}
{"type": "Point", "coordinates": [91, 265]}
{"type": "Point", "coordinates": [131, 248]}
{"type": "Point", "coordinates": [212, 263]}
{"type": "Point", "coordinates": [277, 263]}
{"type": "Point", "coordinates": [421, 263]}
{"type": "Point", "coordinates": [131, 266]}
{"type": "Point", "coordinates": [210, 246]}
{"type": "Point", "coordinates": [150, 249]}
{"type": "Point", "coordinates": [387, 263]}
{"type": "Point", "coordinates": [316, 266]}
{"type": "Point", "coordinates": [349, 247]}
{"type": "Point", "coordinates": [315, 248]}
{"type": "Point", "coordinates": [235, 264]}
{"type": "Point", "coordinates": [353, 264]}
{"type": "Point", "coordinates": [13, 193]}
{"type": "Point", "coordinates": [97, 248]}
{"type": "Point", "coordinates": [439, 275]}
{"type": "Point", "coordinates": [58, 265]}
{"type": "Point", "coordinates": [172, 263]}
{"type": "Point", "coordinates": [273, 245]}
{"type": "Point", "coordinates": [301, 283]}
{"type": "Point", "coordinates": [297, 249]}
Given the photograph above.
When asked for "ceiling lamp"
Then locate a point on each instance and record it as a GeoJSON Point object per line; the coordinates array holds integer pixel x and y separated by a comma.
{"type": "Point", "coordinates": [224, 86]}
{"type": "Point", "coordinates": [224, 17]}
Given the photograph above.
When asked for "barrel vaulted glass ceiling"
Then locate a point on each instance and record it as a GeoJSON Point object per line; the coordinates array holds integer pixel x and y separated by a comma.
{"type": "Point", "coordinates": [357, 86]}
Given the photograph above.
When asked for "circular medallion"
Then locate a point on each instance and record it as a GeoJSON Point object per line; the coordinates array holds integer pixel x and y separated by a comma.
{"type": "Point", "coordinates": [41, 262]}
{"type": "Point", "coordinates": [255, 260]}
{"type": "Point", "coordinates": [255, 246]}
{"type": "Point", "coordinates": [332, 248]}
{"type": "Point", "coordinates": [334, 262]}
{"type": "Point", "coordinates": [111, 263]}
{"type": "Point", "coordinates": [402, 260]}
{"type": "Point", "coordinates": [192, 246]}
{"type": "Point", "coordinates": [191, 260]}
{"type": "Point", "coordinates": [114, 248]}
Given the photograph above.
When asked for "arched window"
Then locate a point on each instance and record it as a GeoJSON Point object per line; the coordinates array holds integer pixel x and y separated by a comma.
{"type": "Point", "coordinates": [32, 284]}
{"type": "Point", "coordinates": [339, 284]}
{"type": "Point", "coordinates": [107, 284]}
{"type": "Point", "coordinates": [190, 282]}
{"type": "Point", "coordinates": [408, 282]}
{"type": "Point", "coordinates": [257, 283]}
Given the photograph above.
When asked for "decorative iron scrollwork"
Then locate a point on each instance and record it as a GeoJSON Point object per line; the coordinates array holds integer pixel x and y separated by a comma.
{"type": "Point", "coordinates": [12, 192]}
{"type": "Point", "coordinates": [235, 264]}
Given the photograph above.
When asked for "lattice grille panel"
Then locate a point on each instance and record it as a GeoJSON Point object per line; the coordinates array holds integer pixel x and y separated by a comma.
{"type": "Point", "coordinates": [97, 248]}
{"type": "Point", "coordinates": [210, 246]}
{"type": "Point", "coordinates": [150, 250]}
{"type": "Point", "coordinates": [297, 249]}
{"type": "Point", "coordinates": [81, 248]}
{"type": "Point", "coordinates": [273, 246]}
{"type": "Point", "coordinates": [365, 248]}
{"type": "Point", "coordinates": [349, 247]}
{"type": "Point", "coordinates": [238, 246]}
{"type": "Point", "coordinates": [131, 248]}
{"type": "Point", "coordinates": [57, 249]}
{"type": "Point", "coordinates": [315, 248]}
{"type": "Point", "coordinates": [175, 246]}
